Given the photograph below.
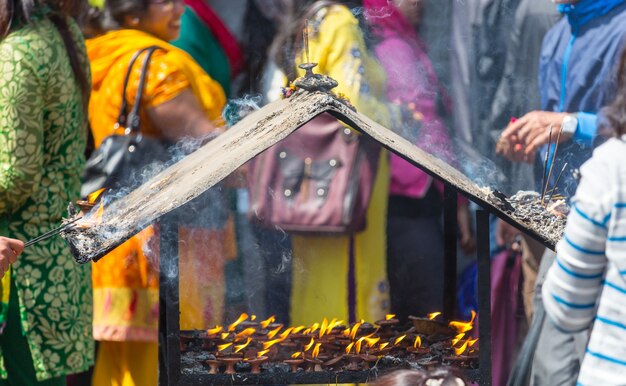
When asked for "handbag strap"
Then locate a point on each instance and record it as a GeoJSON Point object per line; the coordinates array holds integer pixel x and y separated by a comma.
{"type": "Point", "coordinates": [132, 120]}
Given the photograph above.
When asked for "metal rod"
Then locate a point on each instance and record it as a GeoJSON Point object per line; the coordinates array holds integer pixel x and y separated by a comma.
{"type": "Point", "coordinates": [545, 166]}
{"type": "Point", "coordinates": [450, 230]}
{"type": "Point", "coordinates": [484, 295]}
{"type": "Point", "coordinates": [51, 233]}
{"type": "Point", "coordinates": [169, 303]}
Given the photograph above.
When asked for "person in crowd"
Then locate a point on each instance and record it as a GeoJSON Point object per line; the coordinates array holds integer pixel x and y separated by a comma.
{"type": "Point", "coordinates": [46, 318]}
{"type": "Point", "coordinates": [414, 235]}
{"type": "Point", "coordinates": [180, 101]}
{"type": "Point", "coordinates": [338, 276]}
{"type": "Point", "coordinates": [576, 78]}
{"type": "Point", "coordinates": [205, 37]}
{"type": "Point", "coordinates": [10, 249]}
{"type": "Point", "coordinates": [517, 94]}
{"type": "Point", "coordinates": [585, 285]}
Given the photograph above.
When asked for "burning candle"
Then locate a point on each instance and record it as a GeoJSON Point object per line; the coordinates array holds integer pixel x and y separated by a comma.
{"type": "Point", "coordinates": [433, 315]}
{"type": "Point", "coordinates": [237, 322]}
{"type": "Point", "coordinates": [399, 339]}
{"type": "Point", "coordinates": [463, 326]}
{"type": "Point", "coordinates": [214, 331]}
{"type": "Point", "coordinates": [240, 347]}
{"type": "Point", "coordinates": [273, 333]}
{"type": "Point", "coordinates": [268, 321]}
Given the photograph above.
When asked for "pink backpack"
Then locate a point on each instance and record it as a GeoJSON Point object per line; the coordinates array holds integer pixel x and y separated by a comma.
{"type": "Point", "coordinates": [318, 180]}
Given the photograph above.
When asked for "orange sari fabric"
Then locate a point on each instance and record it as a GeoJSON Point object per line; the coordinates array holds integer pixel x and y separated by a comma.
{"type": "Point", "coordinates": [126, 281]}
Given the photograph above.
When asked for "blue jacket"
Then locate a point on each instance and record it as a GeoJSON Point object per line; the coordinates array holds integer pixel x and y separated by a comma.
{"type": "Point", "coordinates": [578, 74]}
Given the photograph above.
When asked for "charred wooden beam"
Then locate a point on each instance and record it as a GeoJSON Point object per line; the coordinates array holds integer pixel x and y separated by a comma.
{"type": "Point", "coordinates": [187, 179]}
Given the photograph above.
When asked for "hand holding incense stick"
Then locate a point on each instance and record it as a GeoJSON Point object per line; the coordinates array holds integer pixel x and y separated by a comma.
{"type": "Point", "coordinates": [10, 249]}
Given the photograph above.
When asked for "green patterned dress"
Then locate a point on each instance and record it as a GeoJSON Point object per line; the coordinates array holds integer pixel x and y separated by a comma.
{"type": "Point", "coordinates": [42, 140]}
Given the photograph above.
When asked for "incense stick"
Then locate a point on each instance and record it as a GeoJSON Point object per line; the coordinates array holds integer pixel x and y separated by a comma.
{"type": "Point", "coordinates": [51, 233]}
{"type": "Point", "coordinates": [545, 166]}
{"type": "Point", "coordinates": [558, 178]}
{"type": "Point", "coordinates": [556, 147]}
{"type": "Point", "coordinates": [305, 36]}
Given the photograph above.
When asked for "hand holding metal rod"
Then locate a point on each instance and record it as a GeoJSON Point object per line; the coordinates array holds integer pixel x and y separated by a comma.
{"type": "Point", "coordinates": [52, 233]}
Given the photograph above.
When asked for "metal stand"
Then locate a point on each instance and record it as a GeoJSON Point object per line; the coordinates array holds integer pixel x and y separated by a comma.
{"type": "Point", "coordinates": [484, 295]}
{"type": "Point", "coordinates": [450, 236]}
{"type": "Point", "coordinates": [169, 304]}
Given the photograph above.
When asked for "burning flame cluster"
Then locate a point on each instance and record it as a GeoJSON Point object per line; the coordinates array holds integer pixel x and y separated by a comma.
{"type": "Point", "coordinates": [462, 328]}
{"type": "Point", "coordinates": [257, 338]}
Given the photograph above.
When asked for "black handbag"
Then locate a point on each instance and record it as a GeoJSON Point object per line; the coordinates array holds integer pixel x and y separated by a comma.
{"type": "Point", "coordinates": [120, 159]}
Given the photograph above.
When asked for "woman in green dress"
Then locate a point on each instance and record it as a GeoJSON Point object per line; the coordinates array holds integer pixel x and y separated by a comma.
{"type": "Point", "coordinates": [44, 89]}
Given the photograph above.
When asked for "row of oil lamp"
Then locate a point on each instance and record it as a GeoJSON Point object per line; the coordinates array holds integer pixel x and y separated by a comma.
{"type": "Point", "coordinates": [330, 344]}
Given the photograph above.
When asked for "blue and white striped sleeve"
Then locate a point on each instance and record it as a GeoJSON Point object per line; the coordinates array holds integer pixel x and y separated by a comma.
{"type": "Point", "coordinates": [574, 282]}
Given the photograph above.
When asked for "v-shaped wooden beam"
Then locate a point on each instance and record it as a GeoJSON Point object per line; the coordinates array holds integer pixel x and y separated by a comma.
{"type": "Point", "coordinates": [217, 159]}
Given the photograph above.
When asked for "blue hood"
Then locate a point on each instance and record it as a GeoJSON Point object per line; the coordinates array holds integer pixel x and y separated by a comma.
{"type": "Point", "coordinates": [584, 11]}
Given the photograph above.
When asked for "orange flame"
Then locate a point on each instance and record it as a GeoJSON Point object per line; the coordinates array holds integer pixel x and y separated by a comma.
{"type": "Point", "coordinates": [357, 346]}
{"type": "Point", "coordinates": [334, 323]}
{"type": "Point", "coordinates": [323, 327]}
{"type": "Point", "coordinates": [433, 315]}
{"type": "Point", "coordinates": [296, 355]}
{"type": "Point", "coordinates": [270, 343]}
{"type": "Point", "coordinates": [99, 212]}
{"type": "Point", "coordinates": [370, 341]}
{"type": "Point", "coordinates": [261, 353]}
{"type": "Point", "coordinates": [242, 346]}
{"type": "Point", "coordinates": [224, 346]}
{"type": "Point", "coordinates": [237, 322]}
{"type": "Point", "coordinates": [354, 330]}
{"type": "Point", "coordinates": [399, 339]}
{"type": "Point", "coordinates": [349, 347]}
{"type": "Point", "coordinates": [389, 316]}
{"type": "Point", "coordinates": [461, 350]}
{"type": "Point", "coordinates": [273, 333]}
{"type": "Point", "coordinates": [307, 331]}
{"type": "Point", "coordinates": [253, 318]}
{"type": "Point", "coordinates": [463, 326]}
{"type": "Point", "coordinates": [457, 338]}
{"type": "Point", "coordinates": [472, 342]}
{"type": "Point", "coordinates": [286, 333]}
{"type": "Point", "coordinates": [346, 332]}
{"type": "Point", "coordinates": [316, 350]}
{"type": "Point", "coordinates": [297, 329]}
{"type": "Point", "coordinates": [383, 345]}
{"type": "Point", "coordinates": [224, 335]}
{"type": "Point", "coordinates": [91, 198]}
{"type": "Point", "coordinates": [268, 321]}
{"type": "Point", "coordinates": [418, 342]}
{"type": "Point", "coordinates": [309, 345]}
{"type": "Point", "coordinates": [214, 331]}
{"type": "Point", "coordinates": [244, 334]}
{"type": "Point", "coordinates": [314, 327]}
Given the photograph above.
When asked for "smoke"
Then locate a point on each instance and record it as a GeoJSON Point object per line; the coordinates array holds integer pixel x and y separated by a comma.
{"type": "Point", "coordinates": [237, 109]}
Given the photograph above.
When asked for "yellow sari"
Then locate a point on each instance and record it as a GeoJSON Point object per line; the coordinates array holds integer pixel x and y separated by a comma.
{"type": "Point", "coordinates": [345, 277]}
{"type": "Point", "coordinates": [126, 281]}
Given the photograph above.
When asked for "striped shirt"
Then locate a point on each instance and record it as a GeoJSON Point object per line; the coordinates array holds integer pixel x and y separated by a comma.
{"type": "Point", "coordinates": [587, 283]}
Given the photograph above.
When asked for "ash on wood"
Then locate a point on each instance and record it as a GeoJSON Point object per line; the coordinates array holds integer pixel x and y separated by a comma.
{"type": "Point", "coordinates": [213, 162]}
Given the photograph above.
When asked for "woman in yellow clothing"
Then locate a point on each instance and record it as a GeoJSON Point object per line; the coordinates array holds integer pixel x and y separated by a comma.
{"type": "Point", "coordinates": [180, 100]}
{"type": "Point", "coordinates": [343, 277]}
